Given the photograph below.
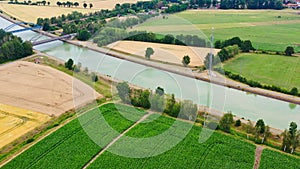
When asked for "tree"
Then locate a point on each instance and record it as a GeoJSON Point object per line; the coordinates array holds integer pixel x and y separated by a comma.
{"type": "Point", "coordinates": [238, 123]}
{"type": "Point", "coordinates": [289, 51]}
{"type": "Point", "coordinates": [214, 61]}
{"type": "Point", "coordinates": [172, 108]}
{"type": "Point", "coordinates": [149, 52]}
{"type": "Point", "coordinates": [157, 102]}
{"type": "Point", "coordinates": [69, 64]}
{"type": "Point", "coordinates": [84, 35]}
{"type": "Point", "coordinates": [291, 138]}
{"type": "Point", "coordinates": [189, 110]}
{"type": "Point", "coordinates": [226, 121]}
{"type": "Point", "coordinates": [266, 134]}
{"type": "Point", "coordinates": [124, 92]}
{"type": "Point", "coordinates": [44, 2]}
{"type": "Point", "coordinates": [48, 3]}
{"type": "Point", "coordinates": [294, 91]}
{"type": "Point", "coordinates": [160, 91]}
{"type": "Point", "coordinates": [58, 3]}
{"type": "Point", "coordinates": [91, 5]}
{"type": "Point", "coordinates": [76, 4]}
{"type": "Point", "coordinates": [94, 77]}
{"type": "Point", "coordinates": [144, 99]}
{"type": "Point", "coordinates": [260, 125]}
{"type": "Point", "coordinates": [84, 5]}
{"type": "Point", "coordinates": [186, 60]}
{"type": "Point", "coordinates": [246, 46]}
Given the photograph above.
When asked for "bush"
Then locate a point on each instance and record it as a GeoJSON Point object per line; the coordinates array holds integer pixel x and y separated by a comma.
{"type": "Point", "coordinates": [213, 125]}
{"type": "Point", "coordinates": [238, 123]}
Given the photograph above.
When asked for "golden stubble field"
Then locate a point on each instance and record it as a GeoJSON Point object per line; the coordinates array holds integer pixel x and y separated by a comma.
{"type": "Point", "coordinates": [30, 13]}
{"type": "Point", "coordinates": [42, 89]}
{"type": "Point", "coordinates": [31, 94]}
{"type": "Point", "coordinates": [164, 52]}
{"type": "Point", "coordinates": [15, 122]}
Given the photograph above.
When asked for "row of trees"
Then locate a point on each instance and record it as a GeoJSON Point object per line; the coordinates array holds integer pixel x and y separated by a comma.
{"type": "Point", "coordinates": [12, 47]}
{"type": "Point", "coordinates": [294, 91]}
{"type": "Point", "coordinates": [186, 40]}
{"type": "Point", "coordinates": [261, 132]}
{"type": "Point", "coordinates": [77, 68]}
{"type": "Point", "coordinates": [157, 101]}
{"type": "Point", "coordinates": [29, 2]}
{"type": "Point", "coordinates": [251, 4]}
{"type": "Point", "coordinates": [71, 4]}
{"type": "Point", "coordinates": [245, 46]}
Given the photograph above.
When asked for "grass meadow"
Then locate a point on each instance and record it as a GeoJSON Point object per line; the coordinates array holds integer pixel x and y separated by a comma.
{"type": "Point", "coordinates": [267, 29]}
{"type": "Point", "coordinates": [275, 70]}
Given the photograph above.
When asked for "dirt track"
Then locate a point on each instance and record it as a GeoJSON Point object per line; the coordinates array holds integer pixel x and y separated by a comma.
{"type": "Point", "coordinates": [41, 88]}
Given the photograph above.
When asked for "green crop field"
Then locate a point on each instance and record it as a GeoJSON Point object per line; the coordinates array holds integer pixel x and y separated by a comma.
{"type": "Point", "coordinates": [267, 29]}
{"type": "Point", "coordinates": [231, 153]}
{"type": "Point", "coordinates": [275, 160]}
{"type": "Point", "coordinates": [70, 146]}
{"type": "Point", "coordinates": [281, 71]}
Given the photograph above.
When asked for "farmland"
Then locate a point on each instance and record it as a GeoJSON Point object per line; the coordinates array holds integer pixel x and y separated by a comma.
{"type": "Point", "coordinates": [187, 154]}
{"type": "Point", "coordinates": [15, 122]}
{"type": "Point", "coordinates": [21, 12]}
{"type": "Point", "coordinates": [276, 160]}
{"type": "Point", "coordinates": [163, 52]}
{"type": "Point", "coordinates": [72, 138]}
{"type": "Point", "coordinates": [75, 138]}
{"type": "Point", "coordinates": [267, 29]}
{"type": "Point", "coordinates": [42, 89]}
{"type": "Point", "coordinates": [276, 70]}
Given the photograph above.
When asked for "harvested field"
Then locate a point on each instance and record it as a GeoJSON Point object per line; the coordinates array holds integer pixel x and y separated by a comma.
{"type": "Point", "coordinates": [41, 88]}
{"type": "Point", "coordinates": [15, 122]}
{"type": "Point", "coordinates": [163, 52]}
{"type": "Point", "coordinates": [30, 13]}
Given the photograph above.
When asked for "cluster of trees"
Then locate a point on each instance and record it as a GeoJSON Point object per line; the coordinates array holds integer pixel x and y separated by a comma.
{"type": "Point", "coordinates": [291, 138]}
{"type": "Point", "coordinates": [260, 131]}
{"type": "Point", "coordinates": [157, 101]}
{"type": "Point", "coordinates": [294, 91]}
{"type": "Point", "coordinates": [69, 64]}
{"type": "Point", "coordinates": [224, 54]}
{"type": "Point", "coordinates": [177, 8]}
{"type": "Point", "coordinates": [245, 46]}
{"type": "Point", "coordinates": [251, 4]}
{"type": "Point", "coordinates": [12, 47]}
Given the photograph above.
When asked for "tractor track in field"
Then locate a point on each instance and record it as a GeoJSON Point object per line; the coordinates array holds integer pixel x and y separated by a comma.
{"type": "Point", "coordinates": [115, 140]}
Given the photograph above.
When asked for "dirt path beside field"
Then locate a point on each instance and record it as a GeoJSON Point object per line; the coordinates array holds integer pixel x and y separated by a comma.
{"type": "Point", "coordinates": [258, 153]}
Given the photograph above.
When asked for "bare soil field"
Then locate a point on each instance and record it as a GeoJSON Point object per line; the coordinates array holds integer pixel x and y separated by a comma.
{"type": "Point", "coordinates": [42, 89]}
{"type": "Point", "coordinates": [163, 52]}
{"type": "Point", "coordinates": [15, 122]}
{"type": "Point", "coordinates": [30, 13]}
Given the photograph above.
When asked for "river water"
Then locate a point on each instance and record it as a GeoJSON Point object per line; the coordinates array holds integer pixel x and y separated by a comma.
{"type": "Point", "coordinates": [275, 113]}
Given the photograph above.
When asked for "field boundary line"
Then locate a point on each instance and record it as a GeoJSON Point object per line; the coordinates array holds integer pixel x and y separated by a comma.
{"type": "Point", "coordinates": [115, 140]}
{"type": "Point", "coordinates": [47, 134]}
